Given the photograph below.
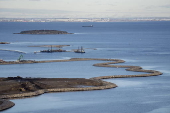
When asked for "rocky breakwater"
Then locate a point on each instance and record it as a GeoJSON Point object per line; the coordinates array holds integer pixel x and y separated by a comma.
{"type": "Point", "coordinates": [43, 32]}
{"type": "Point", "coordinates": [106, 64]}
{"type": "Point", "coordinates": [2, 62]}
{"type": "Point", "coordinates": [128, 68]}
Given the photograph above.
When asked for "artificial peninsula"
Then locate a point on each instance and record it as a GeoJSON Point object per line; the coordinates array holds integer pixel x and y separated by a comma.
{"type": "Point", "coordinates": [43, 32]}
{"type": "Point", "coordinates": [18, 87]}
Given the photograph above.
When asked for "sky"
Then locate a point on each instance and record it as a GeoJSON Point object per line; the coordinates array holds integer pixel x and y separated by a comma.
{"type": "Point", "coordinates": [84, 8]}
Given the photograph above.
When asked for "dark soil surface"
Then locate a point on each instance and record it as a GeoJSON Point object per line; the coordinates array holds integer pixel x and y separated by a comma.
{"type": "Point", "coordinates": [15, 85]}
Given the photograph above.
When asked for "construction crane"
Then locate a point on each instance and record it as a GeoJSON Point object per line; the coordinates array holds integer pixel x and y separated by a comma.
{"type": "Point", "coordinates": [21, 56]}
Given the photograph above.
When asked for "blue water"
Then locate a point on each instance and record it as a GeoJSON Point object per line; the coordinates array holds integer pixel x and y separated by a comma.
{"type": "Point", "coordinates": [144, 44]}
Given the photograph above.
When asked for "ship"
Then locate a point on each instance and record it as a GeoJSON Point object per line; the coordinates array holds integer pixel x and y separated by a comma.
{"type": "Point", "coordinates": [79, 50]}
{"type": "Point", "coordinates": [88, 26]}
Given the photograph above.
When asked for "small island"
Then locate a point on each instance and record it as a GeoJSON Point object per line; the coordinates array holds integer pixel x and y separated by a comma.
{"type": "Point", "coordinates": [4, 43]}
{"type": "Point", "coordinates": [43, 32]}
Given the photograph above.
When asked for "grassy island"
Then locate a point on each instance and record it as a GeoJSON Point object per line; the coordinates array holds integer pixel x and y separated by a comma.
{"type": "Point", "coordinates": [43, 32]}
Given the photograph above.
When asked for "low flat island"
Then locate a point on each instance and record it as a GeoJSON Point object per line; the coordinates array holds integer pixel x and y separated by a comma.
{"type": "Point", "coordinates": [4, 43]}
{"type": "Point", "coordinates": [43, 32]}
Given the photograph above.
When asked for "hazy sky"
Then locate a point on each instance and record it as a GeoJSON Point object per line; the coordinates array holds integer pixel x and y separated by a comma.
{"type": "Point", "coordinates": [84, 8]}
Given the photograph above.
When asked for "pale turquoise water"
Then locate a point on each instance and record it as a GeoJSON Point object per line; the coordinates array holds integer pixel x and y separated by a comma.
{"type": "Point", "coordinates": [144, 44]}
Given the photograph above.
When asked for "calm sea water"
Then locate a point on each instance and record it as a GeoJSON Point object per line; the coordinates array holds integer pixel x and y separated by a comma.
{"type": "Point", "coordinates": [144, 44]}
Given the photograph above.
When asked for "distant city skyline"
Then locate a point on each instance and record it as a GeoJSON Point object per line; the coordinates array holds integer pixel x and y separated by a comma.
{"type": "Point", "coordinates": [84, 8]}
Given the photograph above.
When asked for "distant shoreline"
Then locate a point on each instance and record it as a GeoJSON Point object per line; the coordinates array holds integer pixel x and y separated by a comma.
{"type": "Point", "coordinates": [137, 19]}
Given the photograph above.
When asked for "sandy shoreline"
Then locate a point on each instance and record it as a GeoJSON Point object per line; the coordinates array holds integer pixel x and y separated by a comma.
{"type": "Point", "coordinates": [105, 85]}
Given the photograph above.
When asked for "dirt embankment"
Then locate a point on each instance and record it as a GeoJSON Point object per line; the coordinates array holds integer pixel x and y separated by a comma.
{"type": "Point", "coordinates": [18, 85]}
